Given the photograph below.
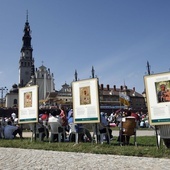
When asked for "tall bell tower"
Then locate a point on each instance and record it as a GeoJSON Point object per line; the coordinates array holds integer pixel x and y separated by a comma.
{"type": "Point", "coordinates": [26, 60]}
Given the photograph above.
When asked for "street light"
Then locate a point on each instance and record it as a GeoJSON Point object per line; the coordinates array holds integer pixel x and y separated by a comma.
{"type": "Point", "coordinates": [2, 96]}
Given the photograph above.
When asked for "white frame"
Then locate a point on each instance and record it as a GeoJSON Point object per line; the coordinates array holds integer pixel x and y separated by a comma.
{"type": "Point", "coordinates": [86, 110]}
{"type": "Point", "coordinates": [159, 111]}
{"type": "Point", "coordinates": [28, 108]}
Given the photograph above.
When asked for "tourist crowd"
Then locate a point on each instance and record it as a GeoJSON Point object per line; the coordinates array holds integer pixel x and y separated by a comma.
{"type": "Point", "coordinates": [9, 127]}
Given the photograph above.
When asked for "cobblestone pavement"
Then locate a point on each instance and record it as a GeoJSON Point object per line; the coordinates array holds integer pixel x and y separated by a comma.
{"type": "Point", "coordinates": [21, 159]}
{"type": "Point", "coordinates": [29, 159]}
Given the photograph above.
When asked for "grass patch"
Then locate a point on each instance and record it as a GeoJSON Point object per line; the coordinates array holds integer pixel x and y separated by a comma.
{"type": "Point", "coordinates": [146, 147]}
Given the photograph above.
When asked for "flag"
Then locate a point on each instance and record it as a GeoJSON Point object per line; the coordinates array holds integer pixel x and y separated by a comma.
{"type": "Point", "coordinates": [124, 99]}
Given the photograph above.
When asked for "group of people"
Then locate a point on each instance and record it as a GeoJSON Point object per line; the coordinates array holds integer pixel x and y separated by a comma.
{"type": "Point", "coordinates": [83, 132]}
{"type": "Point", "coordinates": [117, 117]}
{"type": "Point", "coordinates": [120, 115]}
{"type": "Point", "coordinates": [9, 127]}
{"type": "Point", "coordinates": [58, 116]}
{"type": "Point", "coordinates": [63, 118]}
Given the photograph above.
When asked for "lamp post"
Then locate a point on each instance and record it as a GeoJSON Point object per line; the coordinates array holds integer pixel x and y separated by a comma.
{"type": "Point", "coordinates": [2, 96]}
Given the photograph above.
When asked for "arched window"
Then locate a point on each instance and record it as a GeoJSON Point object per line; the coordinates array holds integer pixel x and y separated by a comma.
{"type": "Point", "coordinates": [15, 101]}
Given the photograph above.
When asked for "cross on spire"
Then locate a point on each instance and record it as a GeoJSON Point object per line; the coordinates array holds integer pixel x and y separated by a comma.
{"type": "Point", "coordinates": [27, 16]}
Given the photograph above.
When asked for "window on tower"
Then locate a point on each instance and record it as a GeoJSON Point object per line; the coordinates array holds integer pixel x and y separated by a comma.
{"type": "Point", "coordinates": [15, 101]}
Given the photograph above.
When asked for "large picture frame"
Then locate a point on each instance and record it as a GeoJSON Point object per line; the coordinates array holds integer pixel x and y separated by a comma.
{"type": "Point", "coordinates": [28, 104]}
{"type": "Point", "coordinates": [158, 98]}
{"type": "Point", "coordinates": [86, 101]}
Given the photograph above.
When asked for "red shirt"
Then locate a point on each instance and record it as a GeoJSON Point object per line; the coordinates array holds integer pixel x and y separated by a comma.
{"type": "Point", "coordinates": [44, 116]}
{"type": "Point", "coordinates": [136, 116]}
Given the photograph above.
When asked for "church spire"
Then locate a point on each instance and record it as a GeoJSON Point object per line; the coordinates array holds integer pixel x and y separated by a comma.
{"type": "Point", "coordinates": [27, 36]}
{"type": "Point", "coordinates": [148, 68]}
{"type": "Point", "coordinates": [75, 75]}
{"type": "Point", "coordinates": [26, 61]}
{"type": "Point", "coordinates": [92, 71]}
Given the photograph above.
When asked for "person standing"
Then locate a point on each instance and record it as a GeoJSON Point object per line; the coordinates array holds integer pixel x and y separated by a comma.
{"type": "Point", "coordinates": [44, 118]}
{"type": "Point", "coordinates": [63, 117]}
{"type": "Point", "coordinates": [13, 116]}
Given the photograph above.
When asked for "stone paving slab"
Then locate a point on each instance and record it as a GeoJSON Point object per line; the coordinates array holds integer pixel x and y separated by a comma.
{"type": "Point", "coordinates": [29, 159]}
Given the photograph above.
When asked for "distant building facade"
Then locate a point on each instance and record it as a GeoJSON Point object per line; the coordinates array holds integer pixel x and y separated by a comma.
{"type": "Point", "coordinates": [12, 97]}
{"type": "Point", "coordinates": [109, 98]}
{"type": "Point", "coordinates": [45, 81]}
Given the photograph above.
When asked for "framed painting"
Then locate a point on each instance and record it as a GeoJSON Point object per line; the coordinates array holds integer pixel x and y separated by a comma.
{"type": "Point", "coordinates": [28, 104]}
{"type": "Point", "coordinates": [158, 98]}
{"type": "Point", "coordinates": [86, 101]}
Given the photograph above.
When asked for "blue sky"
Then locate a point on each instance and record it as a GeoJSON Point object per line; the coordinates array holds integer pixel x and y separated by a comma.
{"type": "Point", "coordinates": [116, 37]}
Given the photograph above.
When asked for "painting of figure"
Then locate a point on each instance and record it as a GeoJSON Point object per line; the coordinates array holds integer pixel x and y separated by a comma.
{"type": "Point", "coordinates": [28, 99]}
{"type": "Point", "coordinates": [85, 97]}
